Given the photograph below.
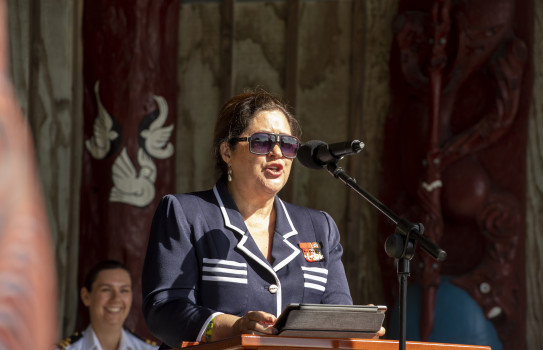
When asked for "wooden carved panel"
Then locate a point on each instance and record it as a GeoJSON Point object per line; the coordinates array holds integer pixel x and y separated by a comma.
{"type": "Point", "coordinates": [454, 154]}
{"type": "Point", "coordinates": [130, 52]}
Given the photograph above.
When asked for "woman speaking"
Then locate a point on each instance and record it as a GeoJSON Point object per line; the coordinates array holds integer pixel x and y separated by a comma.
{"type": "Point", "coordinates": [227, 261]}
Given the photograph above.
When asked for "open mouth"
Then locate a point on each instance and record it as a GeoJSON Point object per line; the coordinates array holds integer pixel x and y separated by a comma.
{"type": "Point", "coordinates": [274, 169]}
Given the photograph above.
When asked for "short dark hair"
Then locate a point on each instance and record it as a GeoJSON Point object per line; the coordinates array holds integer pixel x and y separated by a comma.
{"type": "Point", "coordinates": [90, 277]}
{"type": "Point", "coordinates": [236, 115]}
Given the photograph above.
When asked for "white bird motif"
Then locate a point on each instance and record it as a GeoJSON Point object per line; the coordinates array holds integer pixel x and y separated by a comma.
{"type": "Point", "coordinates": [157, 135]}
{"type": "Point", "coordinates": [128, 186]}
{"type": "Point", "coordinates": [429, 187]}
{"type": "Point", "coordinates": [99, 144]}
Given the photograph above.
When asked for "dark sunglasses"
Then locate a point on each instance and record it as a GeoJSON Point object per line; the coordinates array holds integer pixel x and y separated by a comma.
{"type": "Point", "coordinates": [263, 142]}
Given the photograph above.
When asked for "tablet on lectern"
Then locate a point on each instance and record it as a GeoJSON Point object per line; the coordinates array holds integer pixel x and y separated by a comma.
{"type": "Point", "coordinates": [329, 320]}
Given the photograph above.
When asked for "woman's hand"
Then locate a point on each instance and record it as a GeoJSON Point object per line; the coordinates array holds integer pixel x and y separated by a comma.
{"type": "Point", "coordinates": [253, 322]}
{"type": "Point", "coordinates": [256, 322]}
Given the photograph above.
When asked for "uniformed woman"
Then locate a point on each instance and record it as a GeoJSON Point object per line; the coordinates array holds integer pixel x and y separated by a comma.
{"type": "Point", "coordinates": [107, 294]}
{"type": "Point", "coordinates": [227, 261]}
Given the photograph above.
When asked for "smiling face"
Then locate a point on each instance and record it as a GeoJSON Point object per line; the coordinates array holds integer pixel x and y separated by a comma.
{"type": "Point", "coordinates": [259, 176]}
{"type": "Point", "coordinates": [109, 299]}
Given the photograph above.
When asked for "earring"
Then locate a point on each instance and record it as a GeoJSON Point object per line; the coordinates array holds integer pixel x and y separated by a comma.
{"type": "Point", "coordinates": [229, 172]}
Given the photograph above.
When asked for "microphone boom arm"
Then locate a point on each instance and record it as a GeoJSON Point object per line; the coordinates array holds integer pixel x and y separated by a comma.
{"type": "Point", "coordinates": [400, 245]}
{"type": "Point", "coordinates": [403, 226]}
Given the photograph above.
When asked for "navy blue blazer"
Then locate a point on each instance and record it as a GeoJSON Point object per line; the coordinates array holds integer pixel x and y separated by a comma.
{"type": "Point", "coordinates": [201, 260]}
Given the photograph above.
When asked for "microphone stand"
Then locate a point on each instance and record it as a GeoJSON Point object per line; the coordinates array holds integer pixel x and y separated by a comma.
{"type": "Point", "coordinates": [400, 245]}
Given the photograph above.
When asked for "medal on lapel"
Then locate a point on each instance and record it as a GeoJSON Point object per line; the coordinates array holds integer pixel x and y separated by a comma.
{"type": "Point", "coordinates": [312, 251]}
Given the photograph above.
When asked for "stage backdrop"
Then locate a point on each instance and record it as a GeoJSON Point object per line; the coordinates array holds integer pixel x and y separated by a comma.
{"type": "Point", "coordinates": [329, 58]}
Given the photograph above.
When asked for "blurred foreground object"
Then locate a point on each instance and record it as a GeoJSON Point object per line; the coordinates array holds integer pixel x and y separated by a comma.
{"type": "Point", "coordinates": [27, 275]}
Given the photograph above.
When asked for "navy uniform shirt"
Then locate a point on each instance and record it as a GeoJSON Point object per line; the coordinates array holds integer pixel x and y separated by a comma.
{"type": "Point", "coordinates": [201, 260]}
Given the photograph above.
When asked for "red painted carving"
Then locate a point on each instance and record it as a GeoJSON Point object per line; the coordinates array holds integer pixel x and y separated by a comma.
{"type": "Point", "coordinates": [28, 284]}
{"type": "Point", "coordinates": [458, 77]}
{"type": "Point", "coordinates": [130, 80]}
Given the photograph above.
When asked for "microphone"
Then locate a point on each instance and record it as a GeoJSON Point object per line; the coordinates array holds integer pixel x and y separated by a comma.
{"type": "Point", "coordinates": [316, 154]}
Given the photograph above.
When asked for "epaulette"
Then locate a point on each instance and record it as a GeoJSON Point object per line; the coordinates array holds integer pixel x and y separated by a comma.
{"type": "Point", "coordinates": [70, 340]}
{"type": "Point", "coordinates": [145, 340]}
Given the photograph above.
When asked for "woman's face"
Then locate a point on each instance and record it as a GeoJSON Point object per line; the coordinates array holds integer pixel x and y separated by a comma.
{"type": "Point", "coordinates": [259, 175]}
{"type": "Point", "coordinates": [110, 299]}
